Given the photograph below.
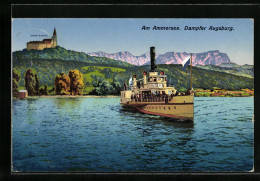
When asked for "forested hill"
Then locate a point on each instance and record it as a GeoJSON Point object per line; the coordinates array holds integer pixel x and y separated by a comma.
{"type": "Point", "coordinates": [60, 53]}
{"type": "Point", "coordinates": [232, 68]}
{"type": "Point", "coordinates": [94, 74]}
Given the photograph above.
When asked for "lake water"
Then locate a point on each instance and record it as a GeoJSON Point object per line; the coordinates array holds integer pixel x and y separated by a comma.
{"type": "Point", "coordinates": [97, 135]}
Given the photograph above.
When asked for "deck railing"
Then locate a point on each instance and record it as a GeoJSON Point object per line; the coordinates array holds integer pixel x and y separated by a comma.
{"type": "Point", "coordinates": [152, 99]}
{"type": "Point", "coordinates": [155, 98]}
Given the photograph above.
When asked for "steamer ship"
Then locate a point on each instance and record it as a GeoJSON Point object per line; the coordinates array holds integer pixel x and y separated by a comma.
{"type": "Point", "coordinates": [151, 95]}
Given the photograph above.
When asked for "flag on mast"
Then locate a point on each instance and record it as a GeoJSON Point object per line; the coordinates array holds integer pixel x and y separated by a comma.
{"type": "Point", "coordinates": [130, 81]}
{"type": "Point", "coordinates": [186, 62]}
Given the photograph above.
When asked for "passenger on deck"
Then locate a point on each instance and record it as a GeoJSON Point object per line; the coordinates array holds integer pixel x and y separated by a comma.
{"type": "Point", "coordinates": [187, 92]}
{"type": "Point", "coordinates": [135, 98]}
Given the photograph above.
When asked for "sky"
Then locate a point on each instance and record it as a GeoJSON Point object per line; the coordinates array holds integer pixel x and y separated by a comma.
{"type": "Point", "coordinates": [115, 35]}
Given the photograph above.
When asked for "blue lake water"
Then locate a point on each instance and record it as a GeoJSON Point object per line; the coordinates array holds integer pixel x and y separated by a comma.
{"type": "Point", "coordinates": [97, 135]}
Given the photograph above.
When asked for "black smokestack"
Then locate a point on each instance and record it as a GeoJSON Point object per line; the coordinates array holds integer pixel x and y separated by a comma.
{"type": "Point", "coordinates": [153, 63]}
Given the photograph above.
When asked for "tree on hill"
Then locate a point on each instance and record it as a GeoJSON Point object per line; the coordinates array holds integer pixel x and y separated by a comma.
{"type": "Point", "coordinates": [16, 78]}
{"type": "Point", "coordinates": [105, 88]}
{"type": "Point", "coordinates": [31, 82]}
{"type": "Point", "coordinates": [117, 87]}
{"type": "Point", "coordinates": [97, 80]}
{"type": "Point", "coordinates": [76, 82]}
{"type": "Point", "coordinates": [43, 91]}
{"type": "Point", "coordinates": [91, 69]}
{"type": "Point", "coordinates": [107, 72]}
{"type": "Point", "coordinates": [62, 84]}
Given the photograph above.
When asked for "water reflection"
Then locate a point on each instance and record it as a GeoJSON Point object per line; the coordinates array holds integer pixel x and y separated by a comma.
{"type": "Point", "coordinates": [31, 104]}
{"type": "Point", "coordinates": [68, 108]}
{"type": "Point", "coordinates": [71, 103]}
{"type": "Point", "coordinates": [160, 135]}
{"type": "Point", "coordinates": [31, 108]}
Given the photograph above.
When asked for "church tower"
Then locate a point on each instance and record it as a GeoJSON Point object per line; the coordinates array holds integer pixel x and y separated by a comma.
{"type": "Point", "coordinates": [54, 38]}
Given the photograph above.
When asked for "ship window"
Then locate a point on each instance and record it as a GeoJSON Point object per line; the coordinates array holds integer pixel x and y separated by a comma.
{"type": "Point", "coordinates": [154, 79]}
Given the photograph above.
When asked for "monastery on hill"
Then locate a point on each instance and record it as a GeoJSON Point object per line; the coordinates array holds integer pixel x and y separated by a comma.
{"type": "Point", "coordinates": [45, 43]}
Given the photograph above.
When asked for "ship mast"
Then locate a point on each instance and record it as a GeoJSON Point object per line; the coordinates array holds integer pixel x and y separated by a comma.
{"type": "Point", "coordinates": [191, 71]}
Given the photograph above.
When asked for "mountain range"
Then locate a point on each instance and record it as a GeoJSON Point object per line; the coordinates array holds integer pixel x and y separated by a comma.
{"type": "Point", "coordinates": [52, 61]}
{"type": "Point", "coordinates": [207, 58]}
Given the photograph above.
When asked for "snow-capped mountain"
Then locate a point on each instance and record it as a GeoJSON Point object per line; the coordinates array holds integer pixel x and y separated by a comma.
{"type": "Point", "coordinates": [206, 58]}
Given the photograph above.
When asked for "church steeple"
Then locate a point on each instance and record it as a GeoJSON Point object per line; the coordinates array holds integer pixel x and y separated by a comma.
{"type": "Point", "coordinates": [54, 38]}
{"type": "Point", "coordinates": [54, 32]}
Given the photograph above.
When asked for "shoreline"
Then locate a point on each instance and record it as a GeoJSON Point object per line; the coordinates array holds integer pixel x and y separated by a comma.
{"type": "Point", "coordinates": [90, 96]}
{"type": "Point", "coordinates": [71, 96]}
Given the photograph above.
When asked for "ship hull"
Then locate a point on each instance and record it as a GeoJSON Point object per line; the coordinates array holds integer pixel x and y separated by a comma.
{"type": "Point", "coordinates": [179, 111]}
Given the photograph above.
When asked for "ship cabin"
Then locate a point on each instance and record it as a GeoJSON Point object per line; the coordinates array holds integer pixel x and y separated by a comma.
{"type": "Point", "coordinates": [148, 89]}
{"type": "Point", "coordinates": [154, 84]}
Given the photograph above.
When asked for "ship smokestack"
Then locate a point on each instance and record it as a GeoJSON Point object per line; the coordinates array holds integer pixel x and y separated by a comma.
{"type": "Point", "coordinates": [153, 63]}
